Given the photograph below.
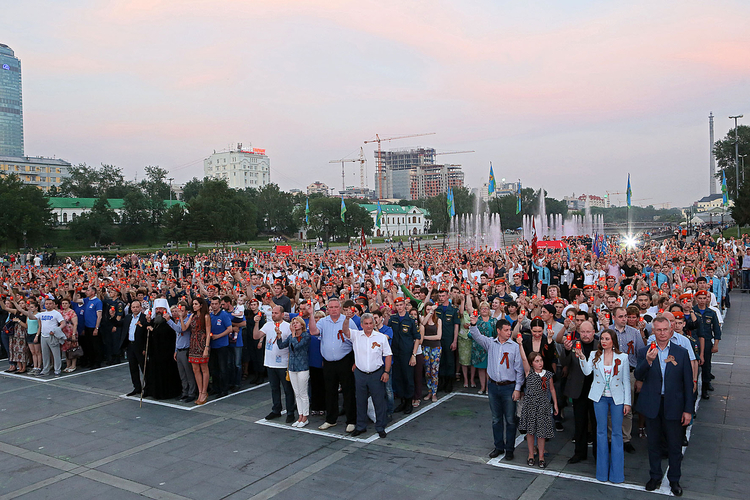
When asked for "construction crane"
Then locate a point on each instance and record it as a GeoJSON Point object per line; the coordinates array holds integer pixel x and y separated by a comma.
{"type": "Point", "coordinates": [362, 169]}
{"type": "Point", "coordinates": [609, 196]}
{"type": "Point", "coordinates": [379, 166]}
{"type": "Point", "coordinates": [342, 161]}
{"type": "Point", "coordinates": [421, 157]}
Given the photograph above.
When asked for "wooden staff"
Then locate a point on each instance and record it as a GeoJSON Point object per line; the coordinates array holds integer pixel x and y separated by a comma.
{"type": "Point", "coordinates": [145, 361]}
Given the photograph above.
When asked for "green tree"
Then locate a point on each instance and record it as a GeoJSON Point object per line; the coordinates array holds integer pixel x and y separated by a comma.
{"type": "Point", "coordinates": [191, 189]}
{"type": "Point", "coordinates": [92, 182]}
{"type": "Point", "coordinates": [156, 189]}
{"type": "Point", "coordinates": [741, 209]}
{"type": "Point", "coordinates": [505, 206]}
{"type": "Point", "coordinates": [134, 223]}
{"type": "Point", "coordinates": [97, 225]}
{"type": "Point", "coordinates": [80, 183]}
{"type": "Point", "coordinates": [111, 182]}
{"type": "Point", "coordinates": [464, 201]}
{"type": "Point", "coordinates": [220, 213]}
{"type": "Point", "coordinates": [25, 211]}
{"type": "Point", "coordinates": [437, 207]}
{"type": "Point", "coordinates": [724, 152]}
{"type": "Point", "coordinates": [327, 208]}
{"type": "Point", "coordinates": [175, 223]}
{"type": "Point", "coordinates": [555, 206]}
{"type": "Point", "coordinates": [274, 210]}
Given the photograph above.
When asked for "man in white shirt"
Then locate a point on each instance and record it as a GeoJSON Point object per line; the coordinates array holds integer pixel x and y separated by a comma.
{"type": "Point", "coordinates": [276, 362]}
{"type": "Point", "coordinates": [415, 273]}
{"type": "Point", "coordinates": [50, 322]}
{"type": "Point", "coordinates": [372, 360]}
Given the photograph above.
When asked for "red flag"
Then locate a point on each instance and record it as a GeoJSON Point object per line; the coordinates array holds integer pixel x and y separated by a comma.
{"type": "Point", "coordinates": [363, 243]}
{"type": "Point", "coordinates": [533, 238]}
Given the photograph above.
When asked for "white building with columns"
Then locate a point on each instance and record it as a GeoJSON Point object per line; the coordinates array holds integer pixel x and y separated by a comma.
{"type": "Point", "coordinates": [398, 220]}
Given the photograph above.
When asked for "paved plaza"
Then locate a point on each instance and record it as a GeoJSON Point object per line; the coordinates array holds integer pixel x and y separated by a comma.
{"type": "Point", "coordinates": [79, 437]}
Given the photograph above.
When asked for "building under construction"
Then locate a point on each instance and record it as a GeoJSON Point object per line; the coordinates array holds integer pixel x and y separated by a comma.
{"type": "Point", "coordinates": [411, 174]}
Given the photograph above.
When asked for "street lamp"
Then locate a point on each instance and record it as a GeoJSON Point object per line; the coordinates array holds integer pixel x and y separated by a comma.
{"type": "Point", "coordinates": [736, 162]}
{"type": "Point", "coordinates": [743, 167]}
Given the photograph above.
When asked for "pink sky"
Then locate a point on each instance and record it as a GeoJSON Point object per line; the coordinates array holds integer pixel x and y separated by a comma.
{"type": "Point", "coordinates": [567, 95]}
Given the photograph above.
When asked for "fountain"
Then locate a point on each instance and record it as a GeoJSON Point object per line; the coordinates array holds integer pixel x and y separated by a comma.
{"type": "Point", "coordinates": [477, 230]}
{"type": "Point", "coordinates": [481, 229]}
{"type": "Point", "coordinates": [588, 223]}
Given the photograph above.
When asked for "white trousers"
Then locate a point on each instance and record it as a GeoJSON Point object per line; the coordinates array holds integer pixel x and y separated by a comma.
{"type": "Point", "coordinates": [299, 382]}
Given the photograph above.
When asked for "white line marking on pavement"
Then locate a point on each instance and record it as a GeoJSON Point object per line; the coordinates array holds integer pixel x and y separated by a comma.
{"type": "Point", "coordinates": [234, 394]}
{"type": "Point", "coordinates": [63, 376]}
{"type": "Point", "coordinates": [496, 462]}
{"type": "Point", "coordinates": [190, 408]}
{"type": "Point", "coordinates": [313, 431]}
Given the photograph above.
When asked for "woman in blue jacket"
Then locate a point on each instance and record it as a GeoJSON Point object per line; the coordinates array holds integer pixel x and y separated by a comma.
{"type": "Point", "coordinates": [299, 369]}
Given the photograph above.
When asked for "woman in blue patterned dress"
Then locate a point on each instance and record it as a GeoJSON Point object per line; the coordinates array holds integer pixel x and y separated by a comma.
{"type": "Point", "coordinates": [486, 326]}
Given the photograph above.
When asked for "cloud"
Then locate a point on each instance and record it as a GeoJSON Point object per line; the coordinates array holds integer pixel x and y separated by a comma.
{"type": "Point", "coordinates": [548, 90]}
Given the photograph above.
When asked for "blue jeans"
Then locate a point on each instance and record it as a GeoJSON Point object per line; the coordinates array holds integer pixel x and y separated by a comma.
{"type": "Point", "coordinates": [503, 408]}
{"type": "Point", "coordinates": [746, 279]}
{"type": "Point", "coordinates": [610, 465]}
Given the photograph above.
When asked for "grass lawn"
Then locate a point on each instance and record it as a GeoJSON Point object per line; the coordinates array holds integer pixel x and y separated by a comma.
{"type": "Point", "coordinates": [732, 231]}
{"type": "Point", "coordinates": [203, 247]}
{"type": "Point", "coordinates": [67, 246]}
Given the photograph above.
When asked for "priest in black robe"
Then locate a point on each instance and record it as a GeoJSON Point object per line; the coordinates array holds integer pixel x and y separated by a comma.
{"type": "Point", "coordinates": [162, 376]}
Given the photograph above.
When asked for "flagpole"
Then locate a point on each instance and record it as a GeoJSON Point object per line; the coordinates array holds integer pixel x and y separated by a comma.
{"type": "Point", "coordinates": [627, 212]}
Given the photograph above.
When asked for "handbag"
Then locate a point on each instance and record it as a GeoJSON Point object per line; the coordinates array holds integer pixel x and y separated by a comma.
{"type": "Point", "coordinates": [75, 352]}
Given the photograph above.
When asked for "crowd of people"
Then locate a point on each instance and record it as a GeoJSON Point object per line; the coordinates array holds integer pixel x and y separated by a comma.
{"type": "Point", "coordinates": [624, 336]}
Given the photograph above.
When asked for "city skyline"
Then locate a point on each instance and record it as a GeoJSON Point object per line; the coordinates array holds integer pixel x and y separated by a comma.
{"type": "Point", "coordinates": [570, 98]}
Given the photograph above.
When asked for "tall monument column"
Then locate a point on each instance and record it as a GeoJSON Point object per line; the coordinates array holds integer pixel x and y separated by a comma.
{"type": "Point", "coordinates": [712, 161]}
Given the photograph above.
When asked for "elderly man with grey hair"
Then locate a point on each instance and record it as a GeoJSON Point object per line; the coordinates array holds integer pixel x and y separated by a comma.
{"type": "Point", "coordinates": [372, 359]}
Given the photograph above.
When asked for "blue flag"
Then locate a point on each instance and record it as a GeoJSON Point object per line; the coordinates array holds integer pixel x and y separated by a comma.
{"type": "Point", "coordinates": [491, 185]}
{"type": "Point", "coordinates": [379, 215]}
{"type": "Point", "coordinates": [629, 191]}
{"type": "Point", "coordinates": [343, 208]}
{"type": "Point", "coordinates": [518, 195]}
{"type": "Point", "coordinates": [724, 199]}
{"type": "Point", "coordinates": [307, 211]}
{"type": "Point", "coordinates": [453, 204]}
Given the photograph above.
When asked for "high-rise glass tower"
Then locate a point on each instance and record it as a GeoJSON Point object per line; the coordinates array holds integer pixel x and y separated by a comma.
{"type": "Point", "coordinates": [11, 109]}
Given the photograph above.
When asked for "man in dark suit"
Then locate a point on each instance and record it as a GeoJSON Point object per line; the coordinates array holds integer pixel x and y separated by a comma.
{"type": "Point", "coordinates": [666, 400]}
{"type": "Point", "coordinates": [134, 340]}
{"type": "Point", "coordinates": [577, 388]}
